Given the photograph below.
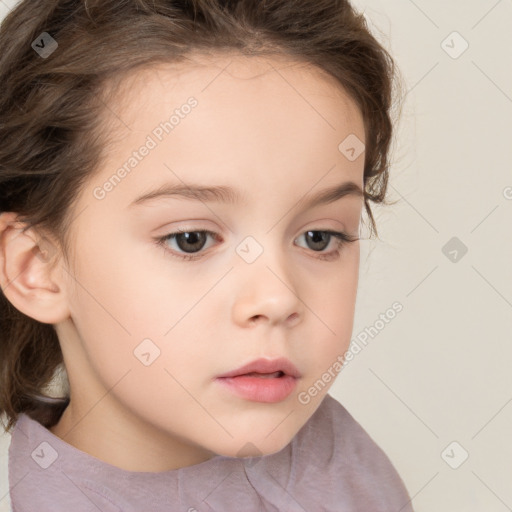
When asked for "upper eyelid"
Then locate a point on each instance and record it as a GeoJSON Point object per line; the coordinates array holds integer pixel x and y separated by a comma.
{"type": "Point", "coordinates": [215, 234]}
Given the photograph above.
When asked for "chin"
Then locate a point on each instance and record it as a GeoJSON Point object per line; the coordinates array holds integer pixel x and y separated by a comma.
{"type": "Point", "coordinates": [255, 446]}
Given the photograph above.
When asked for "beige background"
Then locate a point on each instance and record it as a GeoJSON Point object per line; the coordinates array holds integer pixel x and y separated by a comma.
{"type": "Point", "coordinates": [439, 372]}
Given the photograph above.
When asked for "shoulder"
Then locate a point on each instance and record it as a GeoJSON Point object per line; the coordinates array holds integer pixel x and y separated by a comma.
{"type": "Point", "coordinates": [335, 430]}
{"type": "Point", "coordinates": [5, 442]}
{"type": "Point", "coordinates": [349, 461]}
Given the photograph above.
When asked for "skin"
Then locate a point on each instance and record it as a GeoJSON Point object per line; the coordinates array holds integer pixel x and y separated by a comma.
{"type": "Point", "coordinates": [269, 128]}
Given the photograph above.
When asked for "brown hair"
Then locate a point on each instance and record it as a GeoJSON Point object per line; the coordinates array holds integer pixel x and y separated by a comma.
{"type": "Point", "coordinates": [53, 138]}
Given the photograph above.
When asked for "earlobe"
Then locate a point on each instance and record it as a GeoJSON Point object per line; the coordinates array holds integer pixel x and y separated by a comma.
{"type": "Point", "coordinates": [29, 272]}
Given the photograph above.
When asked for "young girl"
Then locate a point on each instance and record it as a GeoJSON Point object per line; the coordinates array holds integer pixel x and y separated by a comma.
{"type": "Point", "coordinates": [181, 188]}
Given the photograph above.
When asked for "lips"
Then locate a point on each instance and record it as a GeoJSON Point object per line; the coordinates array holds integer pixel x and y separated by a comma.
{"type": "Point", "coordinates": [265, 375]}
{"type": "Point", "coordinates": [265, 368]}
{"type": "Point", "coordinates": [262, 380]}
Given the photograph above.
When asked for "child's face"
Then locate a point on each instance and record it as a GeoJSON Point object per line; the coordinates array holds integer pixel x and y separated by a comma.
{"type": "Point", "coordinates": [259, 288]}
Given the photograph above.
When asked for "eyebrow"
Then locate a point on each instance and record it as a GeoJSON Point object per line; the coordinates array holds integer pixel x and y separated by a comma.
{"type": "Point", "coordinates": [225, 194]}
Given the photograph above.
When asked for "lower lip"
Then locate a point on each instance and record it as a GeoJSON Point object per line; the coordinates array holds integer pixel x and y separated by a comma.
{"type": "Point", "coordinates": [260, 389]}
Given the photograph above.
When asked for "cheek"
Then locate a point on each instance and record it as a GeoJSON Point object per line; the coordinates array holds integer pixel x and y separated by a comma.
{"type": "Point", "coordinates": [130, 355]}
{"type": "Point", "coordinates": [332, 307]}
{"type": "Point", "coordinates": [128, 314]}
{"type": "Point", "coordinates": [108, 307]}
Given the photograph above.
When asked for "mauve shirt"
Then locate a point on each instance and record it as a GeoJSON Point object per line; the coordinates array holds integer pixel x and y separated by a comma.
{"type": "Point", "coordinates": [331, 464]}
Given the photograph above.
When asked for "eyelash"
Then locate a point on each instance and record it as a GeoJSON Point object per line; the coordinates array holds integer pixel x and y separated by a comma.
{"type": "Point", "coordinates": [342, 239]}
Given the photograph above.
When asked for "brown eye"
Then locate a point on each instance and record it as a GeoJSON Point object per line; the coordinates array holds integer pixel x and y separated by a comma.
{"type": "Point", "coordinates": [191, 241]}
{"type": "Point", "coordinates": [186, 244]}
{"type": "Point", "coordinates": [318, 240]}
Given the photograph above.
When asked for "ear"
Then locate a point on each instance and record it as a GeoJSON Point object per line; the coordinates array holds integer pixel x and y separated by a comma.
{"type": "Point", "coordinates": [31, 272]}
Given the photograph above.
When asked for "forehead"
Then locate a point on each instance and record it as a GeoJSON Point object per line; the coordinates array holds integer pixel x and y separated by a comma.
{"type": "Point", "coordinates": [271, 127]}
{"type": "Point", "coordinates": [225, 82]}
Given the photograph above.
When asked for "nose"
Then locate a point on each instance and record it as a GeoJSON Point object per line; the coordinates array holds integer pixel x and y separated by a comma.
{"type": "Point", "coordinates": [267, 292]}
